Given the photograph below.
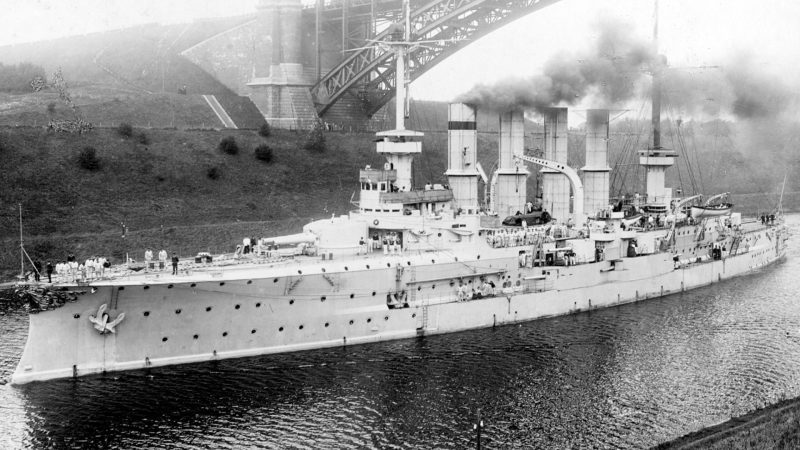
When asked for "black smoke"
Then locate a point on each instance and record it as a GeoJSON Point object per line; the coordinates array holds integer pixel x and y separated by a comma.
{"type": "Point", "coordinates": [617, 68]}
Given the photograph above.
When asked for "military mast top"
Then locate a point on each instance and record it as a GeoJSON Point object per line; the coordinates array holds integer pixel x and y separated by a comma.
{"type": "Point", "coordinates": [399, 145]}
{"type": "Point", "coordinates": [656, 159]}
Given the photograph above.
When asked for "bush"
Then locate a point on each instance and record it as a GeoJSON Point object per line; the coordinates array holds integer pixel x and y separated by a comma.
{"type": "Point", "coordinates": [88, 159]}
{"type": "Point", "coordinates": [125, 129]}
{"type": "Point", "coordinates": [213, 173]}
{"type": "Point", "coordinates": [315, 141]}
{"type": "Point", "coordinates": [142, 138]}
{"type": "Point", "coordinates": [264, 153]}
{"type": "Point", "coordinates": [265, 130]}
{"type": "Point", "coordinates": [228, 145]}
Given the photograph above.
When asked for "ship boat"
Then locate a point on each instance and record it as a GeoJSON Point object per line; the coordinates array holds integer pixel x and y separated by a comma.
{"type": "Point", "coordinates": [711, 209]}
{"type": "Point", "coordinates": [408, 262]}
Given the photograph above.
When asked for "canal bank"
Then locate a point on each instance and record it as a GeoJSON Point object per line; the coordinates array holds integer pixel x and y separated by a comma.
{"type": "Point", "coordinates": [776, 427]}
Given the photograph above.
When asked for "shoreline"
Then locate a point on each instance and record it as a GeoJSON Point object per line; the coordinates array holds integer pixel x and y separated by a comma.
{"type": "Point", "coordinates": [773, 426]}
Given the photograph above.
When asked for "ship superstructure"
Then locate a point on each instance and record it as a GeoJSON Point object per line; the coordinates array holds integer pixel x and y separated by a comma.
{"type": "Point", "coordinates": [412, 260]}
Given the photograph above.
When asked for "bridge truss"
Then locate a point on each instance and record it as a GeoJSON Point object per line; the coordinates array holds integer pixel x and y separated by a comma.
{"type": "Point", "coordinates": [441, 26]}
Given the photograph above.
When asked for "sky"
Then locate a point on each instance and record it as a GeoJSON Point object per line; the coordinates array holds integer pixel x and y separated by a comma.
{"type": "Point", "coordinates": [692, 33]}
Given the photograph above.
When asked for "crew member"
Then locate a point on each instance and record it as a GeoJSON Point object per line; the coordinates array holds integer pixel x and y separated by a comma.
{"type": "Point", "coordinates": [175, 263]}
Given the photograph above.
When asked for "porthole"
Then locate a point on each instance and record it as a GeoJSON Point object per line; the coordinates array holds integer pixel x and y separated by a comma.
{"type": "Point", "coordinates": [146, 313]}
{"type": "Point", "coordinates": [367, 266]}
{"type": "Point", "coordinates": [413, 315]}
{"type": "Point", "coordinates": [258, 305]}
{"type": "Point", "coordinates": [345, 268]}
{"type": "Point", "coordinates": [419, 288]}
{"type": "Point", "coordinates": [456, 258]}
{"type": "Point", "coordinates": [438, 234]}
{"type": "Point", "coordinates": [169, 286]}
{"type": "Point", "coordinates": [147, 287]}
{"type": "Point", "coordinates": [224, 333]}
{"type": "Point", "coordinates": [195, 337]}
{"type": "Point", "coordinates": [352, 295]}
{"type": "Point", "coordinates": [369, 319]}
{"type": "Point", "coordinates": [300, 272]}
{"type": "Point", "coordinates": [253, 331]}
{"type": "Point", "coordinates": [178, 311]}
{"type": "Point", "coordinates": [388, 265]}
{"type": "Point", "coordinates": [164, 339]}
{"type": "Point", "coordinates": [433, 286]}
{"type": "Point", "coordinates": [208, 308]}
{"type": "Point", "coordinates": [193, 285]}
{"type": "Point", "coordinates": [408, 262]}
{"type": "Point", "coordinates": [275, 280]}
{"type": "Point", "coordinates": [222, 283]}
{"type": "Point", "coordinates": [386, 318]}
{"type": "Point", "coordinates": [479, 256]}
{"type": "Point", "coordinates": [237, 306]}
{"type": "Point", "coordinates": [280, 329]}
{"type": "Point", "coordinates": [249, 281]}
{"type": "Point", "coordinates": [76, 316]}
{"type": "Point", "coordinates": [322, 299]}
{"type": "Point", "coordinates": [373, 293]}
{"type": "Point", "coordinates": [323, 270]}
{"type": "Point", "coordinates": [327, 324]}
{"type": "Point", "coordinates": [433, 261]}
{"type": "Point", "coordinates": [351, 322]}
{"type": "Point", "coordinates": [291, 302]}
{"type": "Point", "coordinates": [300, 327]}
{"type": "Point", "coordinates": [121, 288]}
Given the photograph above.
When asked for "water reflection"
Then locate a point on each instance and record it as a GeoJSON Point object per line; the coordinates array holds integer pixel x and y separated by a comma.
{"type": "Point", "coordinates": [631, 376]}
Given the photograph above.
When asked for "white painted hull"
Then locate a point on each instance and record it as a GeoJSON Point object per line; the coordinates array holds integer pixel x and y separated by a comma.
{"type": "Point", "coordinates": [261, 310]}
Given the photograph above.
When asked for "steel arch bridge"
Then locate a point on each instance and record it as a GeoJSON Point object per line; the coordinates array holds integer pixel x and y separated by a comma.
{"type": "Point", "coordinates": [445, 26]}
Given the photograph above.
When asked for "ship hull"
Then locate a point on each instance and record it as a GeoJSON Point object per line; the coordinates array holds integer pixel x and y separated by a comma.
{"type": "Point", "coordinates": [184, 321]}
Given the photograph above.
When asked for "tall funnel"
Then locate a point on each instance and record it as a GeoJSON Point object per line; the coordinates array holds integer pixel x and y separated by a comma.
{"type": "Point", "coordinates": [462, 142]}
{"type": "Point", "coordinates": [555, 185]}
{"type": "Point", "coordinates": [595, 172]}
{"type": "Point", "coordinates": [510, 190]}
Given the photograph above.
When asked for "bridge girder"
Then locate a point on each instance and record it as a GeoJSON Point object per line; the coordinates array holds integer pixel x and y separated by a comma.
{"type": "Point", "coordinates": [451, 24]}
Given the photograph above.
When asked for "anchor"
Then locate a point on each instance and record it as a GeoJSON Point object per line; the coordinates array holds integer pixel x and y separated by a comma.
{"type": "Point", "coordinates": [101, 320]}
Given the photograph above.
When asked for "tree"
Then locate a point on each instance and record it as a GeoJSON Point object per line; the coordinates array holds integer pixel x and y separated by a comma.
{"type": "Point", "coordinates": [88, 159]}
{"type": "Point", "coordinates": [315, 140]}
{"type": "Point", "coordinates": [228, 145]}
{"type": "Point", "coordinates": [265, 130]}
{"type": "Point", "coordinates": [264, 153]}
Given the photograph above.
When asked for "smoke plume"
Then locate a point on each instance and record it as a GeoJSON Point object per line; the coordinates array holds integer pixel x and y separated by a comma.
{"type": "Point", "coordinates": [616, 69]}
{"type": "Point", "coordinates": [610, 71]}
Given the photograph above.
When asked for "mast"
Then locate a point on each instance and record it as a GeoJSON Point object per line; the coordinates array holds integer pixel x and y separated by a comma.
{"type": "Point", "coordinates": [21, 248]}
{"type": "Point", "coordinates": [656, 94]}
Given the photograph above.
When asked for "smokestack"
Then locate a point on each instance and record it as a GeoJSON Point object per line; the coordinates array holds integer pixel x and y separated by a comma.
{"type": "Point", "coordinates": [510, 189]}
{"type": "Point", "coordinates": [462, 142]}
{"type": "Point", "coordinates": [512, 138]}
{"type": "Point", "coordinates": [555, 185]}
{"type": "Point", "coordinates": [595, 172]}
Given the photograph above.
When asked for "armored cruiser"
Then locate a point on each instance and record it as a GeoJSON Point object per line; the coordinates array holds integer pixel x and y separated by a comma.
{"type": "Point", "coordinates": [410, 261]}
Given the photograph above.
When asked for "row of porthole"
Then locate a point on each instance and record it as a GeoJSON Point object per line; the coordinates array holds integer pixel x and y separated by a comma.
{"type": "Point", "coordinates": [347, 268]}
{"type": "Point", "coordinates": [222, 283]}
{"type": "Point", "coordinates": [208, 309]}
{"type": "Point", "coordinates": [253, 331]}
{"type": "Point", "coordinates": [170, 286]}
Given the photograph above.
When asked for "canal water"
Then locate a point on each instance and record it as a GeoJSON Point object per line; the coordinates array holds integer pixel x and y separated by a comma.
{"type": "Point", "coordinates": [625, 377]}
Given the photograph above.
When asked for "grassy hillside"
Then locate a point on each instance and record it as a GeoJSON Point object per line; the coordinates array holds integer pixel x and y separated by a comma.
{"type": "Point", "coordinates": [145, 58]}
